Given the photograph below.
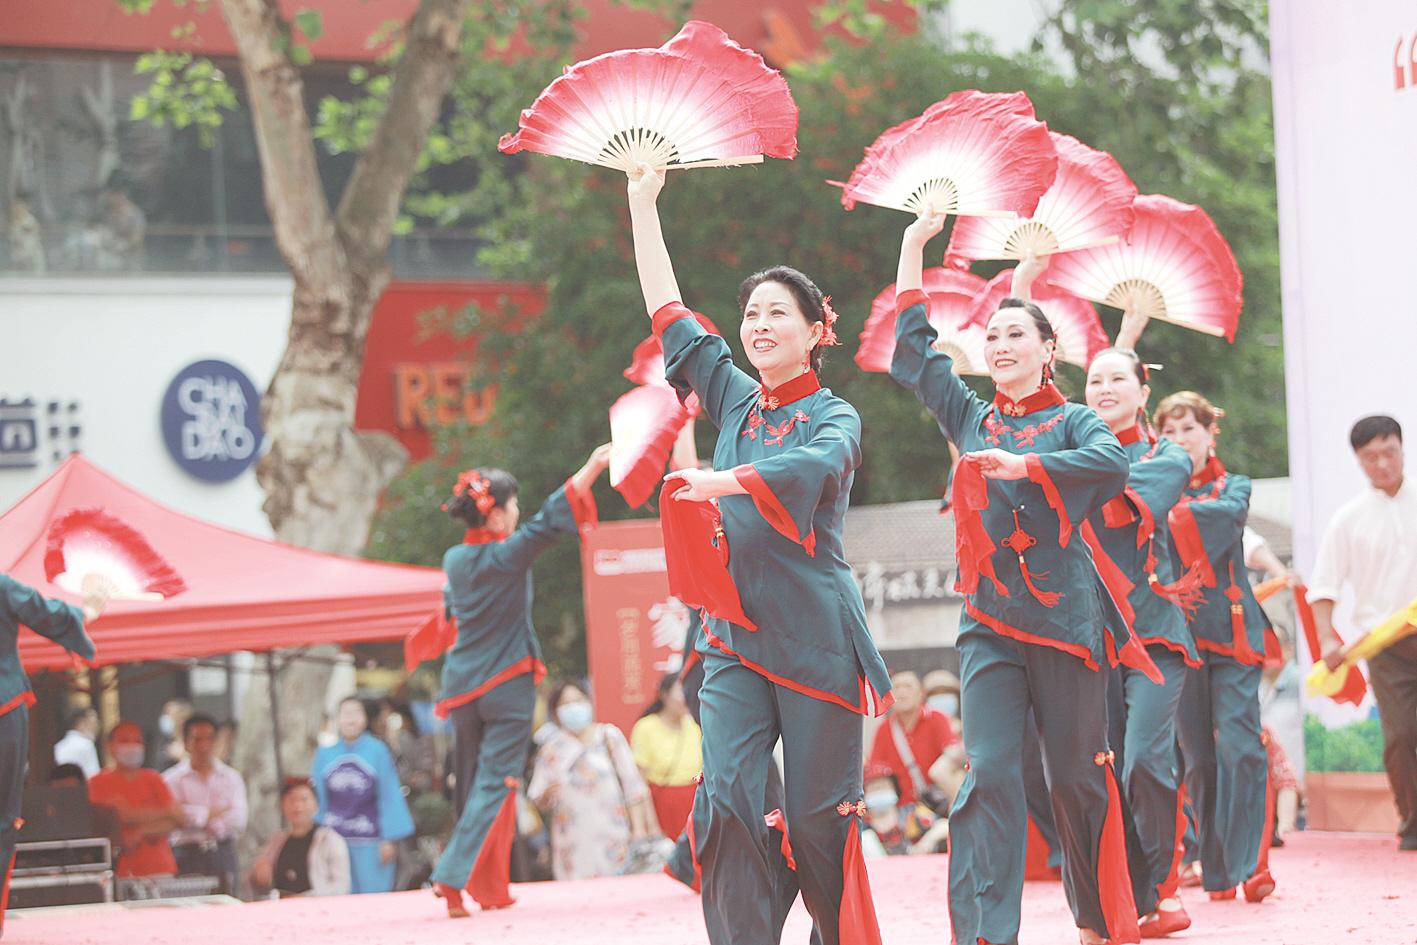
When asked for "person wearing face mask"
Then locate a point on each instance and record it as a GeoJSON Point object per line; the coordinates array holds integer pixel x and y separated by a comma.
{"type": "Point", "coordinates": [143, 802]}
{"type": "Point", "coordinates": [1039, 624]}
{"type": "Point", "coordinates": [586, 781]}
{"type": "Point", "coordinates": [493, 666]}
{"type": "Point", "coordinates": [360, 796]}
{"type": "Point", "coordinates": [1219, 721]}
{"type": "Point", "coordinates": [912, 739]}
{"type": "Point", "coordinates": [798, 662]}
{"type": "Point", "coordinates": [63, 623]}
{"type": "Point", "coordinates": [894, 827]}
{"type": "Point", "coordinates": [1134, 533]}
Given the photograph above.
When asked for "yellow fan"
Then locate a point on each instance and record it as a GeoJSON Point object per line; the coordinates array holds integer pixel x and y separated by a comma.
{"type": "Point", "coordinates": [1325, 682]}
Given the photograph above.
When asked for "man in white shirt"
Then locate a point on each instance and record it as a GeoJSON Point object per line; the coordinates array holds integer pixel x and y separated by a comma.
{"type": "Point", "coordinates": [213, 796]}
{"type": "Point", "coordinates": [1371, 545]}
{"type": "Point", "coordinates": [77, 747]}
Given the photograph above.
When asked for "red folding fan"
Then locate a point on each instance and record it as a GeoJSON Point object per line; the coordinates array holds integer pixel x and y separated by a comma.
{"type": "Point", "coordinates": [92, 542]}
{"type": "Point", "coordinates": [974, 153]}
{"type": "Point", "coordinates": [951, 300]}
{"type": "Point", "coordinates": [1174, 266]}
{"type": "Point", "coordinates": [644, 424]}
{"type": "Point", "coordinates": [1079, 330]}
{"type": "Point", "coordinates": [698, 100]}
{"type": "Point", "coordinates": [1089, 204]}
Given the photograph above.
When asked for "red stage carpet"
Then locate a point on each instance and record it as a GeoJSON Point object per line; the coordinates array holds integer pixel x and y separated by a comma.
{"type": "Point", "coordinates": [1333, 888]}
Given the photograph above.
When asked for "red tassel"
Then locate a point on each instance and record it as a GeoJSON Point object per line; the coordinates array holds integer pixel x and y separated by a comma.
{"type": "Point", "coordinates": [1046, 598]}
{"type": "Point", "coordinates": [856, 922]}
{"type": "Point", "coordinates": [776, 821]}
{"type": "Point", "coordinates": [1114, 884]}
{"type": "Point", "coordinates": [491, 871]}
{"type": "Point", "coordinates": [1185, 593]}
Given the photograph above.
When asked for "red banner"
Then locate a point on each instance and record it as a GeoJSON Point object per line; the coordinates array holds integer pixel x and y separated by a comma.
{"type": "Point", "coordinates": [634, 628]}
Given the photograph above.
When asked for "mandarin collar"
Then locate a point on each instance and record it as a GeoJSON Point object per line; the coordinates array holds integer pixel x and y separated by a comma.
{"type": "Point", "coordinates": [1046, 396]}
{"type": "Point", "coordinates": [1211, 471]}
{"type": "Point", "coordinates": [803, 385]}
{"type": "Point", "coordinates": [1130, 435]}
{"type": "Point", "coordinates": [481, 536]}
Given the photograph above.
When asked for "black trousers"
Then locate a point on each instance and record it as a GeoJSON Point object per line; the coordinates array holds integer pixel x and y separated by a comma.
{"type": "Point", "coordinates": [1393, 674]}
{"type": "Point", "coordinates": [14, 757]}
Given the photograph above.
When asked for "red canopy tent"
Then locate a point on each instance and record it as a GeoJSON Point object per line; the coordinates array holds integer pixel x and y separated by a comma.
{"type": "Point", "coordinates": [243, 592]}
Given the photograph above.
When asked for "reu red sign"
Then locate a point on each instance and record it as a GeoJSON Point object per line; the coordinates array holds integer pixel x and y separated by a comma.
{"type": "Point", "coordinates": [634, 628]}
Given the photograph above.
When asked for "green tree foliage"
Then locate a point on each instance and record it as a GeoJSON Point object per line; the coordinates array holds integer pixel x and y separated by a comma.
{"type": "Point", "coordinates": [1356, 747]}
{"type": "Point", "coordinates": [1176, 127]}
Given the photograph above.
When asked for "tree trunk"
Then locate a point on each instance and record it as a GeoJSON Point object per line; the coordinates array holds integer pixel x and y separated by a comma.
{"type": "Point", "coordinates": [322, 478]}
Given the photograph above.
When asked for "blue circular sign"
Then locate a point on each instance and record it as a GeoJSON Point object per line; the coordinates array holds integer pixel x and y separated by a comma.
{"type": "Point", "coordinates": [211, 420]}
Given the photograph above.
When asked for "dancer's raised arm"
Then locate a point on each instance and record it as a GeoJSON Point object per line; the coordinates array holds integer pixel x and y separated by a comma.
{"type": "Point", "coordinates": [651, 255]}
{"type": "Point", "coordinates": [910, 274]}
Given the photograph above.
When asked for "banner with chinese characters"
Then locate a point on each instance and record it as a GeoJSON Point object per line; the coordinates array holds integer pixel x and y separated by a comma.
{"type": "Point", "coordinates": [634, 629]}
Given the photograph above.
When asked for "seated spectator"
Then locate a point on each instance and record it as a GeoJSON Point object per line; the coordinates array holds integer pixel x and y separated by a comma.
{"type": "Point", "coordinates": [77, 747]}
{"type": "Point", "coordinates": [361, 798]}
{"type": "Point", "coordinates": [144, 805]}
{"type": "Point", "coordinates": [213, 797]}
{"type": "Point", "coordinates": [665, 742]}
{"type": "Point", "coordinates": [893, 827]}
{"type": "Point", "coordinates": [911, 739]}
{"type": "Point", "coordinates": [306, 859]}
{"type": "Point", "coordinates": [586, 780]}
{"type": "Point", "coordinates": [942, 694]}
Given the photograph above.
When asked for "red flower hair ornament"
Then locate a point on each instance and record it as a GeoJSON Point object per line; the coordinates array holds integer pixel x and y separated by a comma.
{"type": "Point", "coordinates": [472, 483]}
{"type": "Point", "coordinates": [828, 338]}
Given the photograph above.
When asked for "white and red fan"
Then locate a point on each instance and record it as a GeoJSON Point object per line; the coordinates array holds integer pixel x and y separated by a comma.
{"type": "Point", "coordinates": [1174, 266]}
{"type": "Point", "coordinates": [1079, 330]}
{"type": "Point", "coordinates": [974, 153]}
{"type": "Point", "coordinates": [698, 100]}
{"type": "Point", "coordinates": [1089, 204]}
{"type": "Point", "coordinates": [644, 424]}
{"type": "Point", "coordinates": [89, 542]}
{"type": "Point", "coordinates": [951, 295]}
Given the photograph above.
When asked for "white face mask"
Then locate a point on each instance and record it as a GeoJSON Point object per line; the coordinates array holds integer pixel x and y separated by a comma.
{"type": "Point", "coordinates": [878, 801]}
{"type": "Point", "coordinates": [574, 717]}
{"type": "Point", "coordinates": [946, 702]}
{"type": "Point", "coordinates": [128, 756]}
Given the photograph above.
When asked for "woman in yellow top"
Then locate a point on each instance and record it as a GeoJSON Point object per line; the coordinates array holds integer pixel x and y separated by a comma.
{"type": "Point", "coordinates": [665, 742]}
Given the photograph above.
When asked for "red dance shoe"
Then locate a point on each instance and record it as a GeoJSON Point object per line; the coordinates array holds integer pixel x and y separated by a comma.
{"type": "Point", "coordinates": [1190, 874]}
{"type": "Point", "coordinates": [1258, 886]}
{"type": "Point", "coordinates": [453, 898]}
{"type": "Point", "coordinates": [1222, 894]}
{"type": "Point", "coordinates": [1163, 922]}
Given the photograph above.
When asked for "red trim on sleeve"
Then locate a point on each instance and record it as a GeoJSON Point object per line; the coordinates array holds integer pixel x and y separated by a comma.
{"type": "Point", "coordinates": [26, 698]}
{"type": "Point", "coordinates": [771, 508]}
{"type": "Point", "coordinates": [527, 664]}
{"type": "Point", "coordinates": [1003, 629]}
{"type": "Point", "coordinates": [909, 297]}
{"type": "Point", "coordinates": [1147, 528]}
{"type": "Point", "coordinates": [1117, 512]}
{"type": "Point", "coordinates": [666, 315]}
{"type": "Point", "coordinates": [1039, 475]}
{"type": "Point", "coordinates": [869, 700]}
{"type": "Point", "coordinates": [1186, 536]}
{"type": "Point", "coordinates": [583, 508]}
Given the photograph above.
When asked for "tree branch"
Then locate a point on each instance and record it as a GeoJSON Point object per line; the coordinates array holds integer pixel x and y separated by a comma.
{"type": "Point", "coordinates": [290, 177]}
{"type": "Point", "coordinates": [370, 204]}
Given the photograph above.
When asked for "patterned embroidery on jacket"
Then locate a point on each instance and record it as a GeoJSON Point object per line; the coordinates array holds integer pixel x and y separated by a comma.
{"type": "Point", "coordinates": [774, 432]}
{"type": "Point", "coordinates": [1025, 437]}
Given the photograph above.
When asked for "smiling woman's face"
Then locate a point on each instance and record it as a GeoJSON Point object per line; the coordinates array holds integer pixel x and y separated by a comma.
{"type": "Point", "coordinates": [1114, 391]}
{"type": "Point", "coordinates": [1014, 349]}
{"type": "Point", "coordinates": [775, 333]}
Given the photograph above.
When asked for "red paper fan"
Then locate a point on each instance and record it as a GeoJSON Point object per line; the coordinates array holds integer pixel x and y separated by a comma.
{"type": "Point", "coordinates": [951, 300]}
{"type": "Point", "coordinates": [1079, 330]}
{"type": "Point", "coordinates": [643, 426]}
{"type": "Point", "coordinates": [1089, 204]}
{"type": "Point", "coordinates": [973, 153]}
{"type": "Point", "coordinates": [91, 541]}
{"type": "Point", "coordinates": [700, 98]}
{"type": "Point", "coordinates": [1174, 266]}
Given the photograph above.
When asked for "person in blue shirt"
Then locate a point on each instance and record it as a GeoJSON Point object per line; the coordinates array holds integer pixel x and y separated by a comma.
{"type": "Point", "coordinates": [1134, 533]}
{"type": "Point", "coordinates": [783, 465]}
{"type": "Point", "coordinates": [1227, 765]}
{"type": "Point", "coordinates": [1039, 623]}
{"type": "Point", "coordinates": [63, 623]}
{"type": "Point", "coordinates": [361, 799]}
{"type": "Point", "coordinates": [491, 671]}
